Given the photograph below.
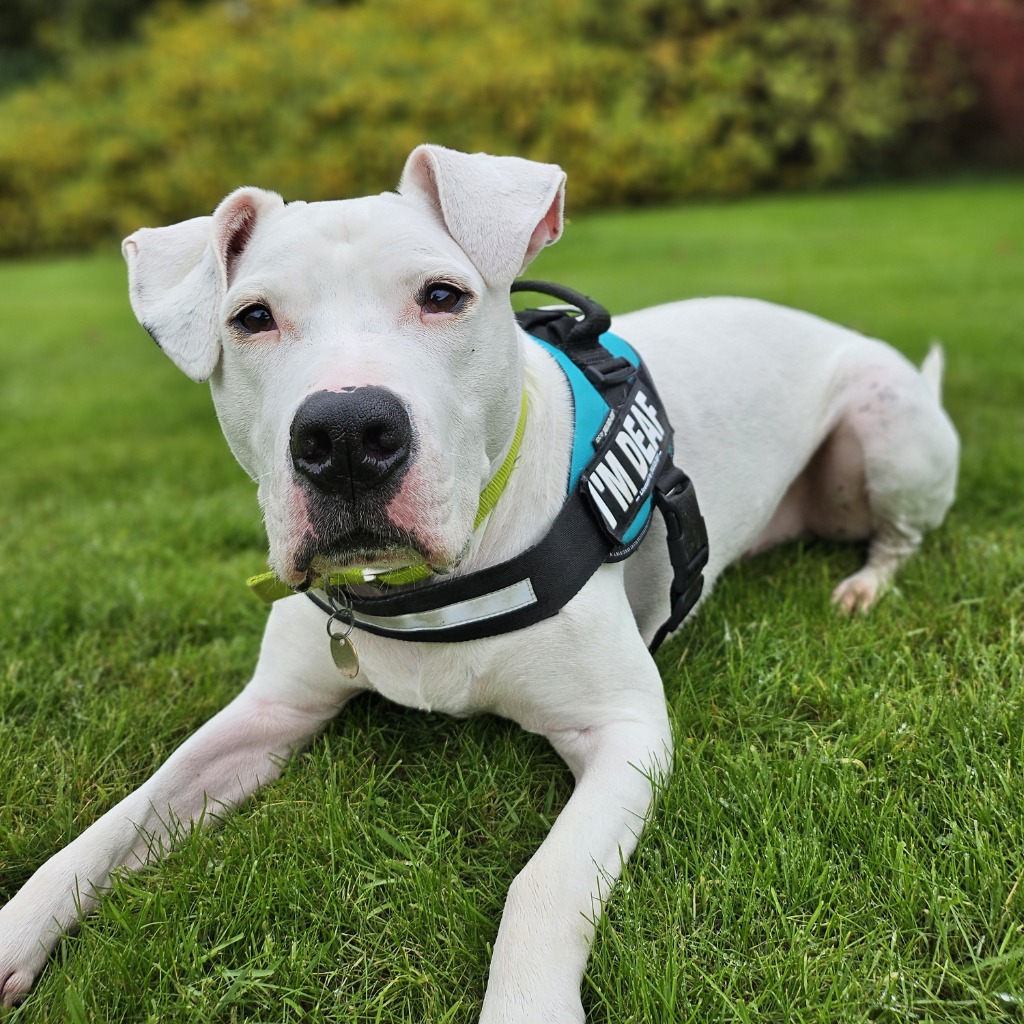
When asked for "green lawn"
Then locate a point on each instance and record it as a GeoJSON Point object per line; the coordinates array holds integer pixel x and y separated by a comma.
{"type": "Point", "coordinates": [842, 839]}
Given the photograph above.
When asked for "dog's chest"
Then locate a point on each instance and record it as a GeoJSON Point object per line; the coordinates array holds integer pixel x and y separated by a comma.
{"type": "Point", "coordinates": [431, 677]}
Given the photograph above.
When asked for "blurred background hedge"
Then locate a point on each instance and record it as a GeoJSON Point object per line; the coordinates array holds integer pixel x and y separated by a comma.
{"type": "Point", "coordinates": [118, 113]}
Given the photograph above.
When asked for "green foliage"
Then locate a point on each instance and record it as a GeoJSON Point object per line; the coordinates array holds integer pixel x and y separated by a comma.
{"type": "Point", "coordinates": [640, 101]}
{"type": "Point", "coordinates": [40, 36]}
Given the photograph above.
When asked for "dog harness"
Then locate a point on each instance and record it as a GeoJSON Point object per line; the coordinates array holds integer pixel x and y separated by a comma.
{"type": "Point", "coordinates": [620, 470]}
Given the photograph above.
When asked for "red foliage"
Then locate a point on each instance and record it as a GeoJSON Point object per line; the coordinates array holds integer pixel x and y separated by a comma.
{"type": "Point", "coordinates": [989, 35]}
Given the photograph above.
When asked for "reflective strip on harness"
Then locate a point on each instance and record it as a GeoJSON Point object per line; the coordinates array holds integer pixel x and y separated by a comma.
{"type": "Point", "coordinates": [460, 613]}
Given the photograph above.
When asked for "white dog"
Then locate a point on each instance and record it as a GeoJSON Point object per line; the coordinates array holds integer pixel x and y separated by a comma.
{"type": "Point", "coordinates": [391, 313]}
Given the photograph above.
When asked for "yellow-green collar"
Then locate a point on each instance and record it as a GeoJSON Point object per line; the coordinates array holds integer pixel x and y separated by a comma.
{"type": "Point", "coordinates": [268, 588]}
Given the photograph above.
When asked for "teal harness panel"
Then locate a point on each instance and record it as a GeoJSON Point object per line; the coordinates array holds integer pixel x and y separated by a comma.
{"type": "Point", "coordinates": [591, 413]}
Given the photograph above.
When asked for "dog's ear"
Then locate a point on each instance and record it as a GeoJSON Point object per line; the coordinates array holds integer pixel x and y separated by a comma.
{"type": "Point", "coordinates": [500, 209]}
{"type": "Point", "coordinates": [177, 277]}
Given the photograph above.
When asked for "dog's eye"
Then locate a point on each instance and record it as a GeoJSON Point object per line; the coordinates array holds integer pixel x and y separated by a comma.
{"type": "Point", "coordinates": [256, 319]}
{"type": "Point", "coordinates": [442, 298]}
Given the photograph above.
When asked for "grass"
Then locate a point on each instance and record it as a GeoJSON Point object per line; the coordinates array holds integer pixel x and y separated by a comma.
{"type": "Point", "coordinates": [842, 838]}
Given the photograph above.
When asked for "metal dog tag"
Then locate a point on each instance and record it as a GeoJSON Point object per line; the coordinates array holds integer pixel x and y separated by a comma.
{"type": "Point", "coordinates": [345, 656]}
{"type": "Point", "coordinates": [343, 650]}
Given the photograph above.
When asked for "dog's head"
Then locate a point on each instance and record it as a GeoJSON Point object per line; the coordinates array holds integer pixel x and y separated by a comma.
{"type": "Point", "coordinates": [362, 355]}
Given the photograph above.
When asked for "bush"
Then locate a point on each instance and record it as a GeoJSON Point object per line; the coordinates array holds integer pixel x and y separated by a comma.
{"type": "Point", "coordinates": [640, 101]}
{"type": "Point", "coordinates": [40, 36]}
{"type": "Point", "coordinates": [989, 34]}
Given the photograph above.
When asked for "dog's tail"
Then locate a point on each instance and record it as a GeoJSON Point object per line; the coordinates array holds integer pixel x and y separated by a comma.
{"type": "Point", "coordinates": [932, 369]}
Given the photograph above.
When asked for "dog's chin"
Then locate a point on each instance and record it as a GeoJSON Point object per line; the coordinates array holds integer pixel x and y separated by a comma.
{"type": "Point", "coordinates": [317, 558]}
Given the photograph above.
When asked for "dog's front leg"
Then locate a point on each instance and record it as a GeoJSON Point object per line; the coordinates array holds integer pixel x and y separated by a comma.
{"type": "Point", "coordinates": [241, 748]}
{"type": "Point", "coordinates": [552, 907]}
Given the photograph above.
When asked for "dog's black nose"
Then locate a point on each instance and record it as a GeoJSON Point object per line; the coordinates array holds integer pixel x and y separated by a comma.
{"type": "Point", "coordinates": [350, 442]}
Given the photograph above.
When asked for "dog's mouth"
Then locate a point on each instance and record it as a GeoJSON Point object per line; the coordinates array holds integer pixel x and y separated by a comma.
{"type": "Point", "coordinates": [370, 552]}
{"type": "Point", "coordinates": [317, 539]}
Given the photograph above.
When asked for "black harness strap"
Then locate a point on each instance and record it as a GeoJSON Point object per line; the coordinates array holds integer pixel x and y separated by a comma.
{"type": "Point", "coordinates": [554, 571]}
{"type": "Point", "coordinates": [687, 539]}
{"type": "Point", "coordinates": [540, 581]}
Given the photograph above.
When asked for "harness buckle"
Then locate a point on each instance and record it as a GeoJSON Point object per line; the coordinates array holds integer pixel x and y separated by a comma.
{"type": "Point", "coordinates": [609, 373]}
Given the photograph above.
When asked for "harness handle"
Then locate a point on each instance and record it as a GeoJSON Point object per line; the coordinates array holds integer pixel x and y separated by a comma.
{"type": "Point", "coordinates": [596, 319]}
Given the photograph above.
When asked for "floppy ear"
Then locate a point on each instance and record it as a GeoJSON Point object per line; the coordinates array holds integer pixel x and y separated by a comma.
{"type": "Point", "coordinates": [177, 277]}
{"type": "Point", "coordinates": [500, 209]}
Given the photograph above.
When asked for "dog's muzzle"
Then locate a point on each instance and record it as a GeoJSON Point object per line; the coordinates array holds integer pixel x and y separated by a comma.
{"type": "Point", "coordinates": [351, 444]}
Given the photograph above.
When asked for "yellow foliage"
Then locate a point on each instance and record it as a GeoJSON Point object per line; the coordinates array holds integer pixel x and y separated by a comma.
{"type": "Point", "coordinates": [640, 101]}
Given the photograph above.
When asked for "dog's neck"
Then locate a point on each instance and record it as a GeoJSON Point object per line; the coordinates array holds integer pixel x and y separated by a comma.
{"type": "Point", "coordinates": [535, 491]}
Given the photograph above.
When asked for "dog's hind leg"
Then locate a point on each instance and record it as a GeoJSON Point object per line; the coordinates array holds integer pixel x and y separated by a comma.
{"type": "Point", "coordinates": [887, 472]}
{"type": "Point", "coordinates": [884, 474]}
{"type": "Point", "coordinates": [889, 547]}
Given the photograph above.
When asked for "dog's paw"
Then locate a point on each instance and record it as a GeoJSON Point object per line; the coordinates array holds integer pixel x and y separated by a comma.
{"type": "Point", "coordinates": [532, 1007]}
{"type": "Point", "coordinates": [24, 949]}
{"type": "Point", "coordinates": [14, 986]}
{"type": "Point", "coordinates": [857, 593]}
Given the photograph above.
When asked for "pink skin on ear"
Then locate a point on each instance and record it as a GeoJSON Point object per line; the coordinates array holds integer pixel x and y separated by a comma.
{"type": "Point", "coordinates": [235, 230]}
{"type": "Point", "coordinates": [548, 230]}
